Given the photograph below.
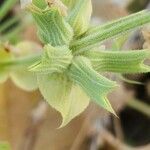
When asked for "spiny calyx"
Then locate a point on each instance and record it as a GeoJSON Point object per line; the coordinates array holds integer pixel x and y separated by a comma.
{"type": "Point", "coordinates": [68, 71]}
{"type": "Point", "coordinates": [54, 60]}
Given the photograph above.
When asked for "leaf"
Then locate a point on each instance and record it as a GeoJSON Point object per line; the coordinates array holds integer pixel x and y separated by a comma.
{"type": "Point", "coordinates": [109, 30]}
{"type": "Point", "coordinates": [24, 79]}
{"type": "Point", "coordinates": [20, 73]}
{"type": "Point", "coordinates": [16, 63]}
{"type": "Point", "coordinates": [79, 17]}
{"type": "Point", "coordinates": [27, 48]}
{"type": "Point", "coordinates": [52, 27]}
{"type": "Point", "coordinates": [54, 59]}
{"type": "Point", "coordinates": [62, 95]}
{"type": "Point", "coordinates": [4, 146]}
{"type": "Point", "coordinates": [119, 61]}
{"type": "Point", "coordinates": [95, 85]}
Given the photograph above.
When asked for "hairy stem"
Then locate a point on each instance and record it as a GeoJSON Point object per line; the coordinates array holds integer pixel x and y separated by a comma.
{"type": "Point", "coordinates": [105, 32]}
{"type": "Point", "coordinates": [139, 106]}
{"type": "Point", "coordinates": [22, 61]}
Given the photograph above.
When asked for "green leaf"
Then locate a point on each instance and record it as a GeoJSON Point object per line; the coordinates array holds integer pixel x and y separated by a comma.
{"type": "Point", "coordinates": [52, 27]}
{"type": "Point", "coordinates": [27, 48]}
{"type": "Point", "coordinates": [4, 146]}
{"type": "Point", "coordinates": [20, 73]}
{"type": "Point", "coordinates": [54, 59]}
{"type": "Point", "coordinates": [24, 79]}
{"type": "Point", "coordinates": [18, 69]}
{"type": "Point", "coordinates": [109, 30]}
{"type": "Point", "coordinates": [95, 85]}
{"type": "Point", "coordinates": [79, 17]}
{"type": "Point", "coordinates": [62, 95]}
{"type": "Point", "coordinates": [119, 61]}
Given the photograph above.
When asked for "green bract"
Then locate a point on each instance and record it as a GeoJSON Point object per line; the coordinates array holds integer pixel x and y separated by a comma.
{"type": "Point", "coordinates": [12, 65]}
{"type": "Point", "coordinates": [54, 59]}
{"type": "Point", "coordinates": [52, 27]}
{"type": "Point", "coordinates": [67, 71]}
{"type": "Point", "coordinates": [95, 85]}
{"type": "Point", "coordinates": [79, 16]}
{"type": "Point", "coordinates": [119, 61]}
{"type": "Point", "coordinates": [62, 94]}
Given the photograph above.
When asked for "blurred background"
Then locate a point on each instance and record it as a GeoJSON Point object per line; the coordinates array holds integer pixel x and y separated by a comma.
{"type": "Point", "coordinates": [28, 123]}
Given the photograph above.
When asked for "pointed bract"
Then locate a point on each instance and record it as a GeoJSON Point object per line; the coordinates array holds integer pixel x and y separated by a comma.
{"type": "Point", "coordinates": [54, 60]}
{"type": "Point", "coordinates": [62, 95]}
{"type": "Point", "coordinates": [95, 85]}
{"type": "Point", "coordinates": [52, 27]}
{"type": "Point", "coordinates": [79, 17]}
{"type": "Point", "coordinates": [119, 61]}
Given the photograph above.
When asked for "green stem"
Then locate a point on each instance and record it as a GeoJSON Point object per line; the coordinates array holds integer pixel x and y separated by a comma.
{"type": "Point", "coordinates": [10, 36]}
{"type": "Point", "coordinates": [139, 106]}
{"type": "Point", "coordinates": [129, 81]}
{"type": "Point", "coordinates": [105, 32]}
{"type": "Point", "coordinates": [7, 5]}
{"type": "Point", "coordinates": [9, 23]}
{"type": "Point", "coordinates": [22, 61]}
